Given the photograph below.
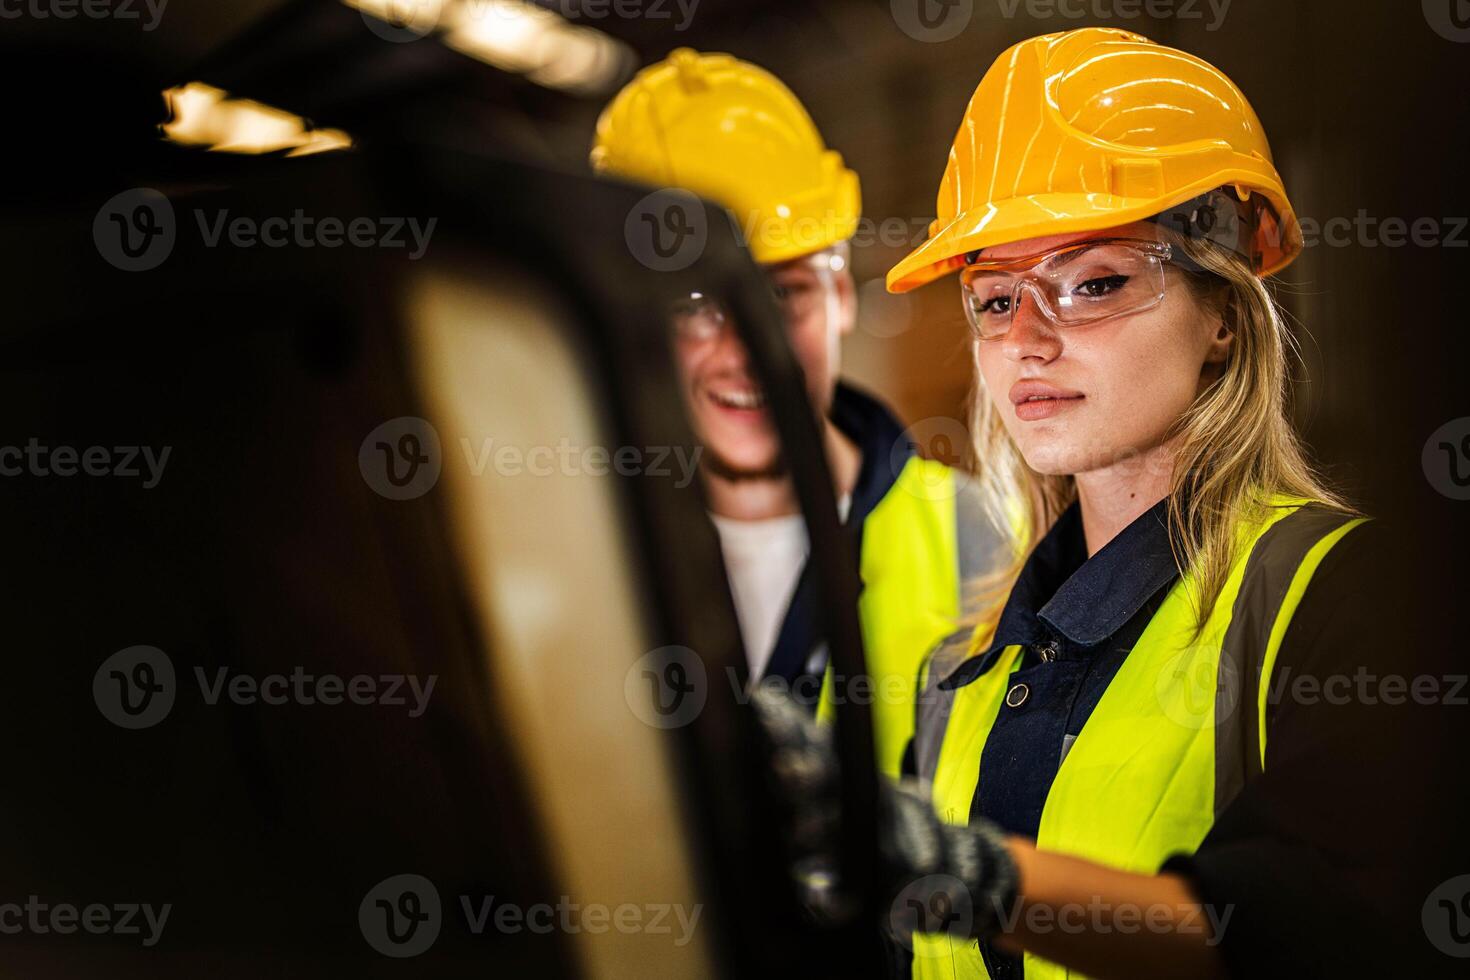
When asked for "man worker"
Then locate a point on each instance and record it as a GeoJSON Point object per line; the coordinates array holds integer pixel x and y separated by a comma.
{"type": "Point", "coordinates": [729, 131]}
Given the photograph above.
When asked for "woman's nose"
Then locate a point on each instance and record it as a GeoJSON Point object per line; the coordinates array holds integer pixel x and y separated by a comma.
{"type": "Point", "coordinates": [1032, 332]}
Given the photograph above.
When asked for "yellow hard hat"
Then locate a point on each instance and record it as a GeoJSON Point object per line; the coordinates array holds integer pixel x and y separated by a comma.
{"type": "Point", "coordinates": [731, 132]}
{"type": "Point", "coordinates": [1091, 129]}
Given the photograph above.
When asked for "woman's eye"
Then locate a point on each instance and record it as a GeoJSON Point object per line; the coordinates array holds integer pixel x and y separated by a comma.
{"type": "Point", "coordinates": [996, 305]}
{"type": "Point", "coordinates": [1101, 286]}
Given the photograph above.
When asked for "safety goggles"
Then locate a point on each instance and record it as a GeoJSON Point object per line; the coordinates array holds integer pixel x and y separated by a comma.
{"type": "Point", "coordinates": [1080, 283]}
{"type": "Point", "coordinates": [801, 289]}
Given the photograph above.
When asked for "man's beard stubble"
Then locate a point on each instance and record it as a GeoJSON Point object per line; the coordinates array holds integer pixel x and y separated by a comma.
{"type": "Point", "coordinates": [720, 467]}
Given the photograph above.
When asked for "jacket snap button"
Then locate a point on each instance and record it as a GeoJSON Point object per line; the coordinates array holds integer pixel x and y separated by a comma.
{"type": "Point", "coordinates": [1017, 695]}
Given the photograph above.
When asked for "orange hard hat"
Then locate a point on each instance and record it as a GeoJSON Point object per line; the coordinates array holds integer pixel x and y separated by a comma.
{"type": "Point", "coordinates": [1091, 129]}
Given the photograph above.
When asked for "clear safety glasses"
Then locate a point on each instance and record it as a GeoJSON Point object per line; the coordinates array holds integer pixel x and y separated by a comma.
{"type": "Point", "coordinates": [1081, 283]}
{"type": "Point", "coordinates": [802, 289]}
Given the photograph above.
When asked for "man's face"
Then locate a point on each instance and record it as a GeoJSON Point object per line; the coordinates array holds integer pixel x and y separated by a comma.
{"type": "Point", "coordinates": [726, 405]}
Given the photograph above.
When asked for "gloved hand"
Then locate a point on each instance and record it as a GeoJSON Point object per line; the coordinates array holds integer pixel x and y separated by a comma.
{"type": "Point", "coordinates": [937, 877]}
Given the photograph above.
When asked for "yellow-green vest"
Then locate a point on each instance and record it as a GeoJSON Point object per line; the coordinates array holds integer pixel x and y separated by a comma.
{"type": "Point", "coordinates": [1177, 734]}
{"type": "Point", "coordinates": [920, 544]}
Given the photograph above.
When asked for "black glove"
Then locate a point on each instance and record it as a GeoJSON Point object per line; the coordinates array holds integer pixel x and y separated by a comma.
{"type": "Point", "coordinates": [938, 877]}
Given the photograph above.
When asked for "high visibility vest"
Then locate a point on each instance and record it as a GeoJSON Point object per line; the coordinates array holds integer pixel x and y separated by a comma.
{"type": "Point", "coordinates": [1178, 732]}
{"type": "Point", "coordinates": [920, 544]}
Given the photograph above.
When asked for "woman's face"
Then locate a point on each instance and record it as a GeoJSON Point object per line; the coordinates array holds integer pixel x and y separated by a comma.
{"type": "Point", "coordinates": [1087, 397]}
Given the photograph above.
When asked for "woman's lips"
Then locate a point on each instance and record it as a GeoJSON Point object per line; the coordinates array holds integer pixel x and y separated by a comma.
{"type": "Point", "coordinates": [746, 404]}
{"type": "Point", "coordinates": [1035, 400]}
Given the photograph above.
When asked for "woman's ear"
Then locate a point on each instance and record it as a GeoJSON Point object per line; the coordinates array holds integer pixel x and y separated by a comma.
{"type": "Point", "coordinates": [1220, 322]}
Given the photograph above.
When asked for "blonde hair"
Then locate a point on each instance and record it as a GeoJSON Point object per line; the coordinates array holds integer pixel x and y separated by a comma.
{"type": "Point", "coordinates": [1236, 447]}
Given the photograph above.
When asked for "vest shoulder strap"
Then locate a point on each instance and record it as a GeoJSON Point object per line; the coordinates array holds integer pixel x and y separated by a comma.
{"type": "Point", "coordinates": [1277, 571]}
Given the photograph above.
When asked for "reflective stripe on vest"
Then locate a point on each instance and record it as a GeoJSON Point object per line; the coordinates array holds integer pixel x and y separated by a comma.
{"type": "Point", "coordinates": [1178, 732]}
{"type": "Point", "coordinates": [920, 544]}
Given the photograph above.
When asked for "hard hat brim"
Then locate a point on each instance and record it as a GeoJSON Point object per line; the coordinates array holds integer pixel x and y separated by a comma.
{"type": "Point", "coordinates": [1020, 218]}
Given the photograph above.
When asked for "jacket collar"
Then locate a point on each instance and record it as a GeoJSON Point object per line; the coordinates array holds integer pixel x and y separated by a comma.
{"type": "Point", "coordinates": [1064, 596]}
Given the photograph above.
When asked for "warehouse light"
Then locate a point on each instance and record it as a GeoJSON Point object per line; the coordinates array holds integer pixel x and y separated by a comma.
{"type": "Point", "coordinates": [208, 117]}
{"type": "Point", "coordinates": [514, 36]}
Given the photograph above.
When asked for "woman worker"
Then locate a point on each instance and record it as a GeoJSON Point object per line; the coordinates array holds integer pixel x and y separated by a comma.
{"type": "Point", "coordinates": [1106, 748]}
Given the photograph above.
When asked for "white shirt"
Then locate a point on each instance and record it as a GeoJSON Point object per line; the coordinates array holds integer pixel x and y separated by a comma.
{"type": "Point", "coordinates": [763, 560]}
